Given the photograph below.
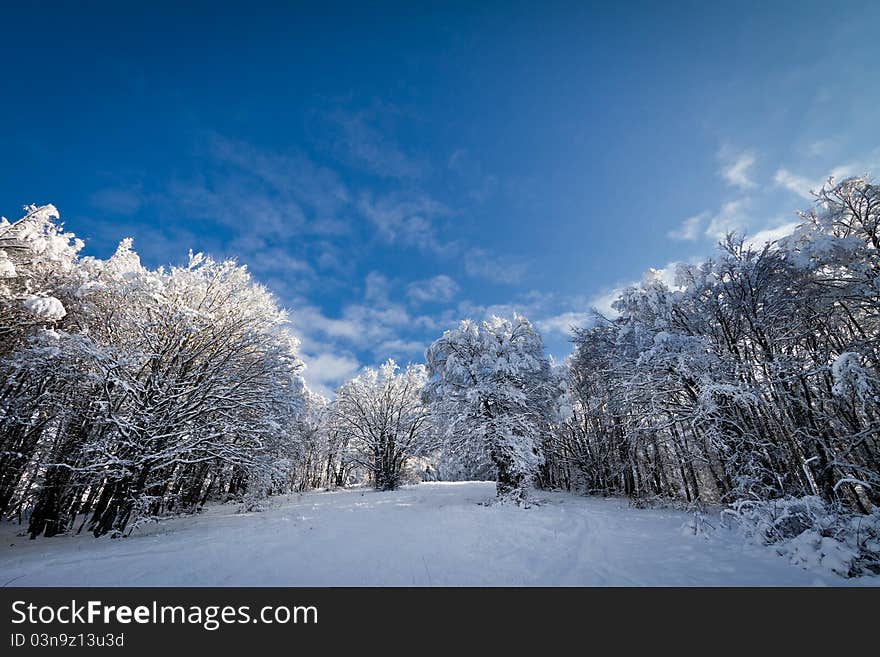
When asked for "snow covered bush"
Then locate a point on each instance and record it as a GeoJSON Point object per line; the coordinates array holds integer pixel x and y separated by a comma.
{"type": "Point", "coordinates": [813, 534]}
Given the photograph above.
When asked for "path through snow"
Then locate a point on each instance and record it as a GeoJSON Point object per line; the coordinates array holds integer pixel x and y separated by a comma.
{"type": "Point", "coordinates": [430, 534]}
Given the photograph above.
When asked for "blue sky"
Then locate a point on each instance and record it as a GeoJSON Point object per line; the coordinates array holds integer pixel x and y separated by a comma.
{"type": "Point", "coordinates": [389, 170]}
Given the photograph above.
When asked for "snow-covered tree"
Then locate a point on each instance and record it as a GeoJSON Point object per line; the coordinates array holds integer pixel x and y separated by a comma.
{"type": "Point", "coordinates": [490, 392]}
{"type": "Point", "coordinates": [37, 262]}
{"type": "Point", "coordinates": [127, 393]}
{"type": "Point", "coordinates": [754, 377]}
{"type": "Point", "coordinates": [383, 414]}
{"type": "Point", "coordinates": [314, 462]}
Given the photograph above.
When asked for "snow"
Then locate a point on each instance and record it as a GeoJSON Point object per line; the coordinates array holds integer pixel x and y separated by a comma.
{"type": "Point", "coordinates": [813, 552]}
{"type": "Point", "coordinates": [432, 534]}
{"type": "Point", "coordinates": [7, 268]}
{"type": "Point", "coordinates": [848, 374]}
{"type": "Point", "coordinates": [48, 308]}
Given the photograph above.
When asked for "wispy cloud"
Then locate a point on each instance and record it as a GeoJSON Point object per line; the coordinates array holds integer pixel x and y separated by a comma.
{"type": "Point", "coordinates": [406, 218]}
{"type": "Point", "coordinates": [762, 237]}
{"type": "Point", "coordinates": [562, 323]}
{"type": "Point", "coordinates": [359, 142]}
{"type": "Point", "coordinates": [602, 303]}
{"type": "Point", "coordinates": [285, 190]}
{"type": "Point", "coordinates": [373, 328]}
{"type": "Point", "coordinates": [291, 172]}
{"type": "Point", "coordinates": [800, 185]}
{"type": "Point", "coordinates": [731, 217]}
{"type": "Point", "coordinates": [439, 288]}
{"type": "Point", "coordinates": [689, 230]}
{"type": "Point", "coordinates": [818, 147]}
{"type": "Point", "coordinates": [666, 275]}
{"type": "Point", "coordinates": [400, 348]}
{"type": "Point", "coordinates": [736, 166]}
{"type": "Point", "coordinates": [307, 229]}
{"type": "Point", "coordinates": [806, 187]}
{"type": "Point", "coordinates": [478, 185]}
{"type": "Point", "coordinates": [325, 371]}
{"type": "Point", "coordinates": [123, 200]}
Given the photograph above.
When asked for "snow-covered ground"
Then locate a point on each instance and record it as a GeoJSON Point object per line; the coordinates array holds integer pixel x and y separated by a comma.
{"type": "Point", "coordinates": [431, 534]}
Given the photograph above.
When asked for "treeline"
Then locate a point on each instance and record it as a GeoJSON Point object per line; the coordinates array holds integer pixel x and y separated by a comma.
{"type": "Point", "coordinates": [128, 394]}
{"type": "Point", "coordinates": [756, 377]}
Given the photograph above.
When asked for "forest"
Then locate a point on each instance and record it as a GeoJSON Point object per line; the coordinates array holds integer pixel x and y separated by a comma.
{"type": "Point", "coordinates": [130, 394]}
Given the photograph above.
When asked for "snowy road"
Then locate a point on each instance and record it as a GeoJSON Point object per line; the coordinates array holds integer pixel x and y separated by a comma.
{"type": "Point", "coordinates": [431, 534]}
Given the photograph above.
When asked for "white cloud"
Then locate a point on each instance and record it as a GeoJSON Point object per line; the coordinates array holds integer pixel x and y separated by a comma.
{"type": "Point", "coordinates": [730, 218]}
{"type": "Point", "coordinates": [665, 275]}
{"type": "Point", "coordinates": [735, 167]}
{"type": "Point", "coordinates": [539, 307]}
{"type": "Point", "coordinates": [850, 169]}
{"type": "Point", "coordinates": [439, 289]}
{"type": "Point", "coordinates": [309, 320]}
{"type": "Point", "coordinates": [304, 232]}
{"type": "Point", "coordinates": [689, 229]}
{"type": "Point", "coordinates": [292, 177]}
{"type": "Point", "coordinates": [276, 209]}
{"type": "Point", "coordinates": [602, 302]}
{"type": "Point", "coordinates": [562, 323]}
{"type": "Point", "coordinates": [406, 219]}
{"type": "Point", "coordinates": [818, 147]}
{"type": "Point", "coordinates": [376, 288]}
{"type": "Point", "coordinates": [377, 326]}
{"type": "Point", "coordinates": [800, 185]}
{"type": "Point", "coordinates": [471, 175]}
{"type": "Point", "coordinates": [360, 325]}
{"type": "Point", "coordinates": [762, 237]}
{"type": "Point", "coordinates": [325, 371]}
{"type": "Point", "coordinates": [360, 143]}
{"type": "Point", "coordinates": [804, 186]}
{"type": "Point", "coordinates": [268, 260]}
{"type": "Point", "coordinates": [400, 349]}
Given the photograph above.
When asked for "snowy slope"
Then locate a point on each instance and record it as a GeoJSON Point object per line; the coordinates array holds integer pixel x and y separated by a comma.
{"type": "Point", "coordinates": [430, 534]}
